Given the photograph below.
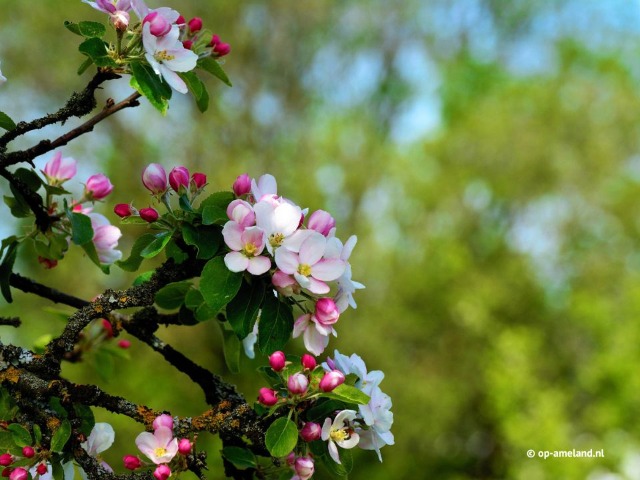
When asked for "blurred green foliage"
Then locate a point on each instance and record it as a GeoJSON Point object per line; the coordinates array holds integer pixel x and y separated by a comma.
{"type": "Point", "coordinates": [487, 155]}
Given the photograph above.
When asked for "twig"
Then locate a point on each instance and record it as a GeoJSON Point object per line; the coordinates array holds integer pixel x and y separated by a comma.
{"type": "Point", "coordinates": [30, 286]}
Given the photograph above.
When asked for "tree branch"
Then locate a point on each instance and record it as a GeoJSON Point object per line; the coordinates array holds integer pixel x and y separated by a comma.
{"type": "Point", "coordinates": [30, 286]}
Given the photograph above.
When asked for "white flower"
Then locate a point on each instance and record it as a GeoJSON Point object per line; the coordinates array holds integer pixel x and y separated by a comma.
{"type": "Point", "coordinates": [339, 433]}
{"type": "Point", "coordinates": [159, 446]}
{"type": "Point", "coordinates": [100, 438]}
{"type": "Point", "coordinates": [249, 342]}
{"type": "Point", "coordinates": [379, 418]}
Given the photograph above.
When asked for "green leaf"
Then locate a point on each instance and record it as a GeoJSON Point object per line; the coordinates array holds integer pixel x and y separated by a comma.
{"type": "Point", "coordinates": [84, 65]}
{"type": "Point", "coordinates": [8, 408]}
{"type": "Point", "coordinates": [81, 229]}
{"type": "Point", "coordinates": [157, 245]}
{"type": "Point", "coordinates": [231, 348]}
{"type": "Point", "coordinates": [174, 251]}
{"type": "Point", "coordinates": [6, 122]}
{"type": "Point", "coordinates": [18, 206]}
{"type": "Point", "coordinates": [205, 238]}
{"type": "Point", "coordinates": [171, 296]}
{"type": "Point", "coordinates": [86, 29]}
{"type": "Point", "coordinates": [218, 284]}
{"type": "Point", "coordinates": [198, 89]}
{"type": "Point", "coordinates": [61, 436]}
{"type": "Point", "coordinates": [272, 377]}
{"type": "Point", "coordinates": [97, 50]}
{"type": "Point", "coordinates": [210, 65]}
{"type": "Point", "coordinates": [343, 468]}
{"type": "Point", "coordinates": [152, 86]}
{"type": "Point", "coordinates": [87, 420]}
{"type": "Point", "coordinates": [243, 310]}
{"type": "Point", "coordinates": [21, 436]}
{"type": "Point", "coordinates": [6, 267]}
{"type": "Point", "coordinates": [276, 325]}
{"type": "Point", "coordinates": [132, 263]}
{"type": "Point", "coordinates": [90, 249]}
{"type": "Point", "coordinates": [37, 434]}
{"type": "Point", "coordinates": [347, 393]}
{"type": "Point", "coordinates": [281, 437]}
{"type": "Point", "coordinates": [322, 409]}
{"type": "Point", "coordinates": [30, 178]}
{"type": "Point", "coordinates": [240, 457]}
{"type": "Point", "coordinates": [143, 277]}
{"type": "Point", "coordinates": [214, 208]}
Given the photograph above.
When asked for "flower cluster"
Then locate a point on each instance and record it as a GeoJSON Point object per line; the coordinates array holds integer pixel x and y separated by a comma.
{"type": "Point", "coordinates": [267, 233]}
{"type": "Point", "coordinates": [52, 245]}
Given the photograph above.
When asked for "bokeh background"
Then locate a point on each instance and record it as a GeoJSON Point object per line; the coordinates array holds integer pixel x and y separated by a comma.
{"type": "Point", "coordinates": [487, 155]}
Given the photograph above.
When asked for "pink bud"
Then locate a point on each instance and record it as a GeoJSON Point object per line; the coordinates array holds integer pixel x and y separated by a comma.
{"type": "Point", "coordinates": [297, 383]}
{"type": "Point", "coordinates": [308, 361]}
{"type": "Point", "coordinates": [123, 210]}
{"type": "Point", "coordinates": [184, 446]}
{"type": "Point", "coordinates": [187, 44]}
{"type": "Point", "coordinates": [268, 397]}
{"type": "Point", "coordinates": [149, 214]}
{"type": "Point", "coordinates": [162, 472]}
{"type": "Point", "coordinates": [199, 180]}
{"type": "Point", "coordinates": [285, 284]}
{"type": "Point", "coordinates": [41, 469]}
{"type": "Point", "coordinates": [326, 312]}
{"type": "Point", "coordinates": [291, 459]}
{"type": "Point", "coordinates": [124, 344]}
{"type": "Point", "coordinates": [131, 462]}
{"type": "Point", "coordinates": [304, 467]}
{"type": "Point", "coordinates": [59, 170]}
{"type": "Point", "coordinates": [120, 20]}
{"type": "Point", "coordinates": [163, 420]}
{"type": "Point", "coordinates": [241, 212]}
{"type": "Point", "coordinates": [159, 25]}
{"type": "Point", "coordinates": [277, 360]}
{"type": "Point", "coordinates": [321, 222]}
{"type": "Point", "coordinates": [195, 24]}
{"type": "Point", "coordinates": [331, 380]}
{"type": "Point", "coordinates": [154, 178]}
{"type": "Point", "coordinates": [242, 185]}
{"type": "Point", "coordinates": [179, 179]}
{"type": "Point", "coordinates": [19, 474]}
{"type": "Point", "coordinates": [311, 431]}
{"type": "Point", "coordinates": [108, 328]}
{"type": "Point", "coordinates": [180, 20]}
{"type": "Point", "coordinates": [6, 472]}
{"type": "Point", "coordinates": [6, 459]}
{"type": "Point", "coordinates": [97, 187]}
{"type": "Point", "coordinates": [28, 452]}
{"type": "Point", "coordinates": [222, 49]}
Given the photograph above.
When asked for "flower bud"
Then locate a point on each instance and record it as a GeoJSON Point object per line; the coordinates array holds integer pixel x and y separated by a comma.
{"type": "Point", "coordinates": [41, 469]}
{"type": "Point", "coordinates": [124, 344]}
{"type": "Point", "coordinates": [321, 222]}
{"type": "Point", "coordinates": [285, 284]}
{"type": "Point", "coordinates": [308, 361]}
{"type": "Point", "coordinates": [242, 185]}
{"type": "Point", "coordinates": [58, 170]}
{"type": "Point", "coordinates": [160, 26]}
{"type": "Point", "coordinates": [108, 328]}
{"type": "Point", "coordinates": [120, 20]}
{"type": "Point", "coordinates": [149, 214]}
{"type": "Point", "coordinates": [297, 383]}
{"type": "Point", "coordinates": [154, 178]}
{"type": "Point", "coordinates": [291, 459]}
{"type": "Point", "coordinates": [6, 459]}
{"type": "Point", "coordinates": [222, 49]}
{"type": "Point", "coordinates": [6, 471]}
{"type": "Point", "coordinates": [304, 467]}
{"type": "Point", "coordinates": [47, 263]}
{"type": "Point", "coordinates": [195, 24]}
{"type": "Point", "coordinates": [326, 312]}
{"type": "Point", "coordinates": [97, 187]}
{"type": "Point", "coordinates": [331, 380]}
{"type": "Point", "coordinates": [163, 420]}
{"type": "Point", "coordinates": [19, 474]}
{"type": "Point", "coordinates": [199, 180]}
{"type": "Point", "coordinates": [123, 210]}
{"type": "Point", "coordinates": [215, 39]}
{"type": "Point", "coordinates": [311, 431]}
{"type": "Point", "coordinates": [184, 446]}
{"type": "Point", "coordinates": [268, 397]}
{"type": "Point", "coordinates": [241, 212]}
{"type": "Point", "coordinates": [162, 472]}
{"type": "Point", "coordinates": [180, 20]}
{"type": "Point", "coordinates": [131, 462]}
{"type": "Point", "coordinates": [277, 360]}
{"type": "Point", "coordinates": [28, 452]}
{"type": "Point", "coordinates": [179, 179]}
{"type": "Point", "coordinates": [187, 44]}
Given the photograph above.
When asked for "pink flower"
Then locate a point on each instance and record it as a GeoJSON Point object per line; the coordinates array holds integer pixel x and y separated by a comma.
{"type": "Point", "coordinates": [339, 433]}
{"type": "Point", "coordinates": [110, 6]}
{"type": "Point", "coordinates": [242, 185]}
{"type": "Point", "coordinates": [308, 267]}
{"type": "Point", "coordinates": [123, 210]}
{"type": "Point", "coordinates": [97, 187]}
{"type": "Point", "coordinates": [179, 179]}
{"type": "Point", "coordinates": [163, 420]}
{"type": "Point", "coordinates": [326, 312]}
{"type": "Point", "coordinates": [304, 467]}
{"type": "Point", "coordinates": [19, 474]}
{"type": "Point", "coordinates": [158, 24]}
{"type": "Point", "coordinates": [331, 380]}
{"type": "Point", "coordinates": [311, 431]}
{"type": "Point", "coordinates": [315, 338]}
{"type": "Point", "coordinates": [154, 178]}
{"type": "Point", "coordinates": [242, 213]}
{"type": "Point", "coordinates": [308, 362]}
{"type": "Point", "coordinates": [105, 238]}
{"type": "Point", "coordinates": [149, 214]}
{"type": "Point", "coordinates": [58, 170]}
{"type": "Point", "coordinates": [131, 462]}
{"type": "Point", "coordinates": [159, 446]}
{"type": "Point", "coordinates": [265, 185]}
{"type": "Point", "coordinates": [247, 245]}
{"type": "Point", "coordinates": [162, 472]}
{"type": "Point", "coordinates": [277, 360]}
{"type": "Point", "coordinates": [297, 383]}
{"type": "Point", "coordinates": [322, 222]}
{"type": "Point", "coordinates": [184, 446]}
{"type": "Point", "coordinates": [278, 218]}
{"type": "Point", "coordinates": [267, 397]}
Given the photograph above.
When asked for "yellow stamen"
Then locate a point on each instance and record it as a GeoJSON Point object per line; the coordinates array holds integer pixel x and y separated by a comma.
{"type": "Point", "coordinates": [250, 250]}
{"type": "Point", "coordinates": [304, 269]}
{"type": "Point", "coordinates": [159, 452]}
{"type": "Point", "coordinates": [276, 239]}
{"type": "Point", "coordinates": [163, 56]}
{"type": "Point", "coordinates": [338, 435]}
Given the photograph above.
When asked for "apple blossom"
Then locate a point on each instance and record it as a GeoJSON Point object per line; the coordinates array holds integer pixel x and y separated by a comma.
{"type": "Point", "coordinates": [315, 336]}
{"type": "Point", "coordinates": [149, 214]}
{"type": "Point", "coordinates": [249, 342]}
{"type": "Point", "coordinates": [42, 468]}
{"type": "Point", "coordinates": [311, 431]}
{"type": "Point", "coordinates": [105, 238]}
{"type": "Point", "coordinates": [59, 169]}
{"type": "Point", "coordinates": [117, 11]}
{"type": "Point", "coordinates": [131, 462]}
{"type": "Point", "coordinates": [199, 180]}
{"type": "Point", "coordinates": [285, 284]}
{"type": "Point", "coordinates": [6, 459]}
{"type": "Point", "coordinates": [154, 178]}
{"type": "Point", "coordinates": [159, 446]}
{"type": "Point", "coordinates": [162, 472]}
{"type": "Point", "coordinates": [179, 179]}
{"type": "Point", "coordinates": [308, 361]}
{"type": "Point", "coordinates": [195, 24]}
{"type": "Point", "coordinates": [331, 380]}
{"type": "Point", "coordinates": [339, 433]}
{"type": "Point", "coordinates": [378, 417]}
{"type": "Point", "coordinates": [100, 439]}
{"type": "Point", "coordinates": [184, 446]}
{"type": "Point", "coordinates": [322, 222]}
{"type": "Point", "coordinates": [123, 210]}
{"type": "Point", "coordinates": [297, 383]}
{"type": "Point", "coordinates": [265, 185]}
{"type": "Point", "coordinates": [167, 55]}
{"type": "Point", "coordinates": [304, 467]}
{"type": "Point", "coordinates": [221, 49]}
{"type": "Point", "coordinates": [279, 219]}
{"type": "Point", "coordinates": [277, 361]}
{"type": "Point", "coordinates": [242, 213]}
{"type": "Point", "coordinates": [168, 14]}
{"type": "Point", "coordinates": [247, 246]}
{"type": "Point", "coordinates": [19, 474]}
{"type": "Point", "coordinates": [242, 185]}
{"type": "Point", "coordinates": [97, 187]}
{"type": "Point", "coordinates": [163, 420]}
{"type": "Point", "coordinates": [267, 397]}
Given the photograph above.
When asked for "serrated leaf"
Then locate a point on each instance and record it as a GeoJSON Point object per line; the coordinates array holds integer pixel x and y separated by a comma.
{"type": "Point", "coordinates": [210, 65]}
{"type": "Point", "coordinates": [243, 310]}
{"type": "Point", "coordinates": [197, 89]}
{"type": "Point", "coordinates": [149, 84]}
{"type": "Point", "coordinates": [349, 394]}
{"type": "Point", "coordinates": [132, 263]}
{"type": "Point", "coordinates": [97, 50]}
{"type": "Point", "coordinates": [20, 435]}
{"type": "Point", "coordinates": [81, 229]}
{"type": "Point", "coordinates": [6, 122]}
{"type": "Point", "coordinates": [281, 437]}
{"type": "Point", "coordinates": [240, 457]}
{"type": "Point", "coordinates": [86, 29]}
{"type": "Point", "coordinates": [218, 284]}
{"type": "Point", "coordinates": [205, 238]}
{"type": "Point", "coordinates": [157, 245]}
{"type": "Point", "coordinates": [61, 436]}
{"type": "Point", "coordinates": [276, 325]}
{"type": "Point", "coordinates": [171, 296]}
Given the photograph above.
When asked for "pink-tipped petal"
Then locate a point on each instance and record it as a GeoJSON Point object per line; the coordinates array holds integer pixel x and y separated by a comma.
{"type": "Point", "coordinates": [236, 262]}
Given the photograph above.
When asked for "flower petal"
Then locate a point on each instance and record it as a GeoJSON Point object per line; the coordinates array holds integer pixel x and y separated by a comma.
{"type": "Point", "coordinates": [258, 265]}
{"type": "Point", "coordinates": [328, 269]}
{"type": "Point", "coordinates": [236, 261]}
